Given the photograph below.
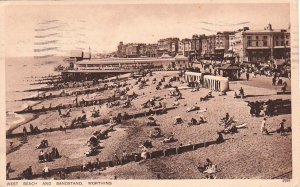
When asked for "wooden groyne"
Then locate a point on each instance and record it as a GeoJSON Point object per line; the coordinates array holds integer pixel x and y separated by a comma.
{"type": "Point", "coordinates": [133, 157]}
{"type": "Point", "coordinates": [86, 124]}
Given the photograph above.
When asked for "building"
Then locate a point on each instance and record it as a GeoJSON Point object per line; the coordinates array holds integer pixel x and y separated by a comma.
{"type": "Point", "coordinates": [132, 50]}
{"type": "Point", "coordinates": [187, 47]}
{"type": "Point", "coordinates": [196, 46]}
{"type": "Point", "coordinates": [222, 44]}
{"type": "Point", "coordinates": [267, 44]}
{"type": "Point", "coordinates": [151, 50]}
{"type": "Point", "coordinates": [236, 44]}
{"type": "Point", "coordinates": [174, 49]}
{"type": "Point", "coordinates": [165, 46]}
{"type": "Point", "coordinates": [180, 47]}
{"type": "Point", "coordinates": [120, 50]}
{"type": "Point", "coordinates": [208, 46]}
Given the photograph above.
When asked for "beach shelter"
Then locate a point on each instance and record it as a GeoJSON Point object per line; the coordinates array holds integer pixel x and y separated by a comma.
{"type": "Point", "coordinates": [230, 71]}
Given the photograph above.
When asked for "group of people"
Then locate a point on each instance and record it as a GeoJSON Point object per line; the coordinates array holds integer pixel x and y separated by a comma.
{"type": "Point", "coordinates": [255, 108]}
{"type": "Point", "coordinates": [241, 93]}
{"type": "Point", "coordinates": [268, 108]}
{"type": "Point", "coordinates": [169, 138]}
{"type": "Point", "coordinates": [33, 130]}
{"type": "Point", "coordinates": [48, 157]}
{"type": "Point", "coordinates": [281, 129]}
{"type": "Point", "coordinates": [209, 169]}
{"type": "Point", "coordinates": [123, 160]}
{"type": "Point", "coordinates": [194, 121]}
{"type": "Point", "coordinates": [207, 96]}
{"type": "Point", "coordinates": [43, 144]}
{"type": "Point", "coordinates": [91, 166]}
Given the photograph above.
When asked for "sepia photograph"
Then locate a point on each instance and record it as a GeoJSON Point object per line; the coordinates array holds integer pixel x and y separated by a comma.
{"type": "Point", "coordinates": [148, 91]}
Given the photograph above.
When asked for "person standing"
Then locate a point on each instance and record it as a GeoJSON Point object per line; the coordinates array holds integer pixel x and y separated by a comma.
{"type": "Point", "coordinates": [24, 132]}
{"type": "Point", "coordinates": [247, 76]}
{"type": "Point", "coordinates": [263, 127]}
{"type": "Point", "coordinates": [46, 171]}
{"type": "Point", "coordinates": [65, 128]}
{"type": "Point", "coordinates": [274, 80]}
{"type": "Point", "coordinates": [59, 110]}
{"type": "Point", "coordinates": [281, 127]}
{"type": "Point", "coordinates": [242, 93]}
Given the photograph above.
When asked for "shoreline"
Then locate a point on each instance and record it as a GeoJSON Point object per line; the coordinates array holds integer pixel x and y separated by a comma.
{"type": "Point", "coordinates": [10, 127]}
{"type": "Point", "coordinates": [26, 119]}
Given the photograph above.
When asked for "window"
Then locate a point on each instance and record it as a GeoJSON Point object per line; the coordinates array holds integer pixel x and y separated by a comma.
{"type": "Point", "coordinates": [282, 43]}
{"type": "Point", "coordinates": [282, 37]}
{"type": "Point", "coordinates": [256, 43]}
{"type": "Point", "coordinates": [265, 37]}
{"type": "Point", "coordinates": [265, 43]}
{"type": "Point", "coordinates": [249, 43]}
{"type": "Point", "coordinates": [256, 37]}
{"type": "Point", "coordinates": [277, 43]}
{"type": "Point", "coordinates": [249, 37]}
{"type": "Point", "coordinates": [287, 42]}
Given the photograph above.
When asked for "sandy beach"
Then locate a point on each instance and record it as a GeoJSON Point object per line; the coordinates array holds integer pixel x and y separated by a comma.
{"type": "Point", "coordinates": [246, 154]}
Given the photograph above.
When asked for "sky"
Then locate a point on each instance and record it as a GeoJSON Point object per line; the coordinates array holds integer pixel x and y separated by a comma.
{"type": "Point", "coordinates": [102, 27]}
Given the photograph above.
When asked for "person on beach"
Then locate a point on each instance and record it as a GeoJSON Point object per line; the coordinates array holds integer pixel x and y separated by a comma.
{"type": "Point", "coordinates": [31, 128]}
{"type": "Point", "coordinates": [97, 164]}
{"type": "Point", "coordinates": [257, 108]}
{"type": "Point", "coordinates": [41, 156]}
{"type": "Point", "coordinates": [56, 153]}
{"type": "Point", "coordinates": [65, 128]}
{"type": "Point", "coordinates": [144, 154]}
{"type": "Point", "coordinates": [83, 166]}
{"type": "Point", "coordinates": [8, 170]}
{"type": "Point", "coordinates": [24, 132]}
{"type": "Point", "coordinates": [46, 171]}
{"type": "Point", "coordinates": [281, 127]}
{"type": "Point", "coordinates": [208, 163]}
{"type": "Point", "coordinates": [124, 157]}
{"type": "Point", "coordinates": [274, 80]}
{"type": "Point", "coordinates": [59, 110]}
{"type": "Point", "coordinates": [116, 159]}
{"type": "Point", "coordinates": [27, 173]}
{"type": "Point", "coordinates": [242, 94]}
{"type": "Point", "coordinates": [226, 118]}
{"type": "Point", "coordinates": [220, 138]}
{"type": "Point", "coordinates": [263, 127]}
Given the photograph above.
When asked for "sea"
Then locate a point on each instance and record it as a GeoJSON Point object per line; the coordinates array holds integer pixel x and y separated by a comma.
{"type": "Point", "coordinates": [20, 72]}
